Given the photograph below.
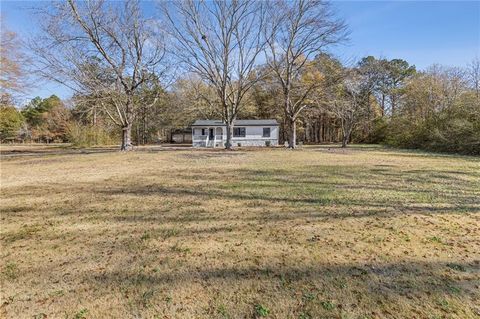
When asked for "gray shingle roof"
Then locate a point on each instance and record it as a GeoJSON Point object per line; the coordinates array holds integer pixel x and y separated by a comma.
{"type": "Point", "coordinates": [237, 122]}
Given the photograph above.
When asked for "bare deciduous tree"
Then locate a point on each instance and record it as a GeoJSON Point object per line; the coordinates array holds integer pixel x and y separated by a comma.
{"type": "Point", "coordinates": [101, 48]}
{"type": "Point", "coordinates": [348, 102]}
{"type": "Point", "coordinates": [220, 41]}
{"type": "Point", "coordinates": [474, 76]}
{"type": "Point", "coordinates": [13, 74]}
{"type": "Point", "coordinates": [299, 30]}
{"type": "Point", "coordinates": [197, 99]}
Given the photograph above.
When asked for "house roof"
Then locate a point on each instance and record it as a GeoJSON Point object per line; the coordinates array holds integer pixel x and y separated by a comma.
{"type": "Point", "coordinates": [270, 122]}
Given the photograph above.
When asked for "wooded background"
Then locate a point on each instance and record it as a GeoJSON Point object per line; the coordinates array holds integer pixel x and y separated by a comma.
{"type": "Point", "coordinates": [138, 81]}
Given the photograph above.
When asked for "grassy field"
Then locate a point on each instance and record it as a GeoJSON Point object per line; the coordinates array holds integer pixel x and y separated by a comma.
{"type": "Point", "coordinates": [314, 233]}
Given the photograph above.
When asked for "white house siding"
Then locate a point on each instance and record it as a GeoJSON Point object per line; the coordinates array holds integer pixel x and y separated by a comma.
{"type": "Point", "coordinates": [253, 136]}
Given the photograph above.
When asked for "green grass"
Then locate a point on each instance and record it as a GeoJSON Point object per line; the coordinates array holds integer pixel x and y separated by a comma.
{"type": "Point", "coordinates": [261, 310]}
{"type": "Point", "coordinates": [319, 232]}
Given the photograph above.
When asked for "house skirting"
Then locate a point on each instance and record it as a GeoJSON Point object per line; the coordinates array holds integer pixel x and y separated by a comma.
{"type": "Point", "coordinates": [254, 142]}
{"type": "Point", "coordinates": [241, 142]}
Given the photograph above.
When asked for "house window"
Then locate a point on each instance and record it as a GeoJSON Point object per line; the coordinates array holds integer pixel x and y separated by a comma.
{"type": "Point", "coordinates": [266, 132]}
{"type": "Point", "coordinates": [239, 132]}
{"type": "Point", "coordinates": [203, 131]}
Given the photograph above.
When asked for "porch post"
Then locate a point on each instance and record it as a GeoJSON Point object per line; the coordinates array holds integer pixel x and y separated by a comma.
{"type": "Point", "coordinates": [214, 137]}
{"type": "Point", "coordinates": [207, 139]}
{"type": "Point", "coordinates": [224, 135]}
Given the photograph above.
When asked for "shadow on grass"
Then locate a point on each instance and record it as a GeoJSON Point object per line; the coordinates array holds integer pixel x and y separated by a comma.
{"type": "Point", "coordinates": [390, 282]}
{"type": "Point", "coordinates": [113, 234]}
{"type": "Point", "coordinates": [310, 192]}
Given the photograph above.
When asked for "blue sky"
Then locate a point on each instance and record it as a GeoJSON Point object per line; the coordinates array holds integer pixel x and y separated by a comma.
{"type": "Point", "coordinates": [421, 32]}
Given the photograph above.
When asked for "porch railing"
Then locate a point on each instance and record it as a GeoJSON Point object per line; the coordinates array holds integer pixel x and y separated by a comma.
{"type": "Point", "coordinates": [206, 139]}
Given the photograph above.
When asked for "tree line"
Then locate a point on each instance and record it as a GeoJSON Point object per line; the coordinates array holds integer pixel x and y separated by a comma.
{"type": "Point", "coordinates": [135, 75]}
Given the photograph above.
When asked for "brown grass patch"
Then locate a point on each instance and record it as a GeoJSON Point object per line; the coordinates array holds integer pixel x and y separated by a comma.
{"type": "Point", "coordinates": [368, 233]}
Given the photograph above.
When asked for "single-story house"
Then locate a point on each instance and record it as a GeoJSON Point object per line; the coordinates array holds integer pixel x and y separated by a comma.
{"type": "Point", "coordinates": [213, 133]}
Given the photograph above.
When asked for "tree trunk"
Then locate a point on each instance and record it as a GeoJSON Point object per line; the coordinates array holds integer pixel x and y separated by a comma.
{"type": "Point", "coordinates": [292, 143]}
{"type": "Point", "coordinates": [94, 120]}
{"type": "Point", "coordinates": [393, 102]}
{"type": "Point", "coordinates": [228, 143]}
{"type": "Point", "coordinates": [138, 134]}
{"type": "Point", "coordinates": [307, 134]}
{"type": "Point", "coordinates": [344, 140]}
{"type": "Point", "coordinates": [127, 138]}
{"type": "Point", "coordinates": [144, 127]}
{"type": "Point", "coordinates": [383, 105]}
{"type": "Point", "coordinates": [318, 130]}
{"type": "Point", "coordinates": [346, 136]}
{"type": "Point", "coordinates": [127, 128]}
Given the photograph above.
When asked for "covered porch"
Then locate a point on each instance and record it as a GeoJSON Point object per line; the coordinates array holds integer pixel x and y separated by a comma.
{"type": "Point", "coordinates": [208, 136]}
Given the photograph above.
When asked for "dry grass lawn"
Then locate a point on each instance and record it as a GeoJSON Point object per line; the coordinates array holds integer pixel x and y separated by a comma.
{"type": "Point", "coordinates": [315, 233]}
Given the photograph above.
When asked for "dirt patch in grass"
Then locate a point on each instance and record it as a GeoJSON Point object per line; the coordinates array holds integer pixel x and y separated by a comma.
{"type": "Point", "coordinates": [369, 233]}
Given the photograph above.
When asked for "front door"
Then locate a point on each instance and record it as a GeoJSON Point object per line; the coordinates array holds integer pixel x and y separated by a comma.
{"type": "Point", "coordinates": [211, 134]}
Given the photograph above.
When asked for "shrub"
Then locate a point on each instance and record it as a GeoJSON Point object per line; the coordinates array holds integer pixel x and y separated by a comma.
{"type": "Point", "coordinates": [10, 123]}
{"type": "Point", "coordinates": [81, 135]}
{"type": "Point", "coordinates": [379, 131]}
{"type": "Point", "coordinates": [453, 128]}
